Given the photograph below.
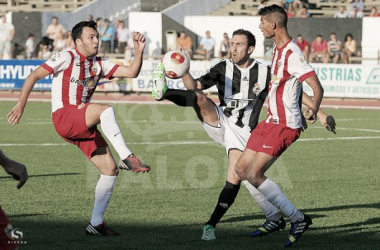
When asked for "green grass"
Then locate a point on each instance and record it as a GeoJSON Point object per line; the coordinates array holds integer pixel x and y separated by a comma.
{"type": "Point", "coordinates": [335, 181]}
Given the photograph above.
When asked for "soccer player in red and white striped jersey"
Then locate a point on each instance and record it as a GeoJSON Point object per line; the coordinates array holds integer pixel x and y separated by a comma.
{"type": "Point", "coordinates": [283, 125]}
{"type": "Point", "coordinates": [76, 75]}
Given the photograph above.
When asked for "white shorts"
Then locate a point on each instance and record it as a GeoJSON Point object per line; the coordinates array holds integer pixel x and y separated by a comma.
{"type": "Point", "coordinates": [5, 47]}
{"type": "Point", "coordinates": [227, 133]}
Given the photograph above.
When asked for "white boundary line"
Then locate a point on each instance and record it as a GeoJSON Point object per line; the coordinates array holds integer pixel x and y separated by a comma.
{"type": "Point", "coordinates": [187, 142]}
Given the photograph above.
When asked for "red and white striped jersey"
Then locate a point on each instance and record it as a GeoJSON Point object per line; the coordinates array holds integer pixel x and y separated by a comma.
{"type": "Point", "coordinates": [75, 77]}
{"type": "Point", "coordinates": [289, 69]}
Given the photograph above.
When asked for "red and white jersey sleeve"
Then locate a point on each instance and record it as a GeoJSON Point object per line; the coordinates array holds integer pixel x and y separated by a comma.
{"type": "Point", "coordinates": [108, 68]}
{"type": "Point", "coordinates": [289, 69]}
{"type": "Point", "coordinates": [76, 77]}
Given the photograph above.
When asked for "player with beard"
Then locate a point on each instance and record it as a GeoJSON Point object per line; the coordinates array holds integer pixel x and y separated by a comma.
{"type": "Point", "coordinates": [76, 75]}
{"type": "Point", "coordinates": [242, 84]}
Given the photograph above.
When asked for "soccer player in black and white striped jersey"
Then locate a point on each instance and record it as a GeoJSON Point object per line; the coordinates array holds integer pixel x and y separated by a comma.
{"type": "Point", "coordinates": [242, 84]}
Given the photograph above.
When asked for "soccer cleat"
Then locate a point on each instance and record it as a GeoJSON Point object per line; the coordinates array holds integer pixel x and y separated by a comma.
{"type": "Point", "coordinates": [132, 163]}
{"type": "Point", "coordinates": [159, 82]}
{"type": "Point", "coordinates": [101, 229]}
{"type": "Point", "coordinates": [297, 229]}
{"type": "Point", "coordinates": [268, 227]}
{"type": "Point", "coordinates": [208, 233]}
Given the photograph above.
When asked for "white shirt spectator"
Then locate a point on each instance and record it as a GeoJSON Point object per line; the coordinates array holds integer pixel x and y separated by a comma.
{"type": "Point", "coordinates": [6, 30]}
{"type": "Point", "coordinates": [123, 34]}
{"type": "Point", "coordinates": [208, 43]}
{"type": "Point", "coordinates": [341, 15]}
{"type": "Point", "coordinates": [29, 47]}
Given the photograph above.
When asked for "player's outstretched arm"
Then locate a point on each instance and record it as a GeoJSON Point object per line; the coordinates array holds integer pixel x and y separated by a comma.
{"type": "Point", "coordinates": [190, 83]}
{"type": "Point", "coordinates": [15, 114]}
{"type": "Point", "coordinates": [17, 170]}
{"type": "Point", "coordinates": [188, 80]}
{"type": "Point", "coordinates": [133, 70]}
{"type": "Point", "coordinates": [316, 86]}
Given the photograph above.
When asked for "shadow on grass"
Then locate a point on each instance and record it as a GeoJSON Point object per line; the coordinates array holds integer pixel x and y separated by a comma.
{"type": "Point", "coordinates": [50, 234]}
{"type": "Point", "coordinates": [42, 175]}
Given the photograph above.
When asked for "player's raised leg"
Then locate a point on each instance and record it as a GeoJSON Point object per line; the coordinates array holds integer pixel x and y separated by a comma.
{"type": "Point", "coordinates": [104, 114]}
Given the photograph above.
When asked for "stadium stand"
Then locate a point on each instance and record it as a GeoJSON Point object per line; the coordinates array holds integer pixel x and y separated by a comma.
{"type": "Point", "coordinates": [317, 8]}
{"type": "Point", "coordinates": [41, 5]}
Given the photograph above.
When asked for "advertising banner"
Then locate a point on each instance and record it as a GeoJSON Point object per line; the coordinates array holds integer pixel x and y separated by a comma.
{"type": "Point", "coordinates": [338, 80]}
{"type": "Point", "coordinates": [348, 80]}
{"type": "Point", "coordinates": [14, 72]}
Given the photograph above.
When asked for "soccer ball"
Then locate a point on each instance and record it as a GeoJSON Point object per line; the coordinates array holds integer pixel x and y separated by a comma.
{"type": "Point", "coordinates": [176, 64]}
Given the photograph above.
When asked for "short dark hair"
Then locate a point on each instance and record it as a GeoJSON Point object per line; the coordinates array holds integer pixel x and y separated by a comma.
{"type": "Point", "coordinates": [78, 28]}
{"type": "Point", "coordinates": [251, 38]}
{"type": "Point", "coordinates": [282, 17]}
{"type": "Point", "coordinates": [348, 35]}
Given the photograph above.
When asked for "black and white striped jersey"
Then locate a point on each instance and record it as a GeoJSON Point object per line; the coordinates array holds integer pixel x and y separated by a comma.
{"type": "Point", "coordinates": [242, 92]}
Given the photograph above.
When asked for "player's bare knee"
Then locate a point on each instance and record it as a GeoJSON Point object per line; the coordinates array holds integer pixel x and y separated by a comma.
{"type": "Point", "coordinates": [240, 171]}
{"type": "Point", "coordinates": [254, 178]}
{"type": "Point", "coordinates": [110, 171]}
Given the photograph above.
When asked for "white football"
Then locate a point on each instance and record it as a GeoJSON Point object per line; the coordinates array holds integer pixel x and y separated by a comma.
{"type": "Point", "coordinates": [176, 64]}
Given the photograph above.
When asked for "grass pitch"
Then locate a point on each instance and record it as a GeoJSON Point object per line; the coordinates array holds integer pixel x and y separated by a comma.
{"type": "Point", "coordinates": [333, 178]}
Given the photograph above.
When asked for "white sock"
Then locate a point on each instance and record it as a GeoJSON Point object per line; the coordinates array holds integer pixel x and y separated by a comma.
{"type": "Point", "coordinates": [270, 211]}
{"type": "Point", "coordinates": [275, 196]}
{"type": "Point", "coordinates": [103, 192]}
{"type": "Point", "coordinates": [112, 131]}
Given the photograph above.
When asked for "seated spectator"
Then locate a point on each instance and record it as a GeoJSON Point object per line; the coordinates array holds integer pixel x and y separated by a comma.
{"type": "Point", "coordinates": [319, 50]}
{"type": "Point", "coordinates": [60, 42]}
{"type": "Point", "coordinates": [303, 13]}
{"type": "Point", "coordinates": [224, 48]}
{"type": "Point", "coordinates": [359, 4]}
{"type": "Point", "coordinates": [185, 42]}
{"type": "Point", "coordinates": [54, 29]}
{"type": "Point", "coordinates": [207, 46]}
{"type": "Point", "coordinates": [349, 49]}
{"type": "Point", "coordinates": [342, 13]}
{"type": "Point", "coordinates": [304, 46]}
{"type": "Point", "coordinates": [123, 36]}
{"type": "Point", "coordinates": [263, 4]}
{"type": "Point", "coordinates": [334, 48]}
{"type": "Point", "coordinates": [374, 12]}
{"type": "Point", "coordinates": [29, 46]}
{"type": "Point", "coordinates": [356, 13]}
{"type": "Point", "coordinates": [44, 53]}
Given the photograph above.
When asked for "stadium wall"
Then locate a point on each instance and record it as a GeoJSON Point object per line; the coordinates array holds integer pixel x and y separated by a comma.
{"type": "Point", "coordinates": [97, 8]}
{"type": "Point", "coordinates": [25, 23]}
{"type": "Point", "coordinates": [170, 24]}
{"type": "Point", "coordinates": [200, 24]}
{"type": "Point", "coordinates": [371, 41]}
{"type": "Point", "coordinates": [179, 11]}
{"type": "Point", "coordinates": [156, 6]}
{"type": "Point", "coordinates": [149, 24]}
